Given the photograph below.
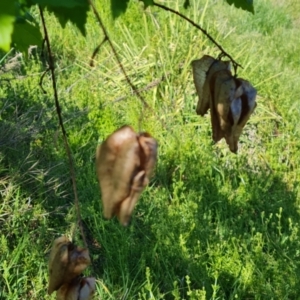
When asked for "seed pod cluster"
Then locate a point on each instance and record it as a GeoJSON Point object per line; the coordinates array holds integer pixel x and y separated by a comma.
{"type": "Point", "coordinates": [231, 100]}
{"type": "Point", "coordinates": [66, 263]}
{"type": "Point", "coordinates": [124, 163]}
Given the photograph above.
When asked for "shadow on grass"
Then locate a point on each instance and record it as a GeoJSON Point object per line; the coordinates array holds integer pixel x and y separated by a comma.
{"type": "Point", "coordinates": [230, 226]}
{"type": "Point", "coordinates": [36, 192]}
{"type": "Point", "coordinates": [233, 232]}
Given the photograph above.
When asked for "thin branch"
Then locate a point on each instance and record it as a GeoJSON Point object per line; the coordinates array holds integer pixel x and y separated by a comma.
{"type": "Point", "coordinates": [96, 51]}
{"type": "Point", "coordinates": [149, 86]}
{"type": "Point", "coordinates": [41, 80]}
{"type": "Point", "coordinates": [223, 52]}
{"type": "Point", "coordinates": [58, 110]}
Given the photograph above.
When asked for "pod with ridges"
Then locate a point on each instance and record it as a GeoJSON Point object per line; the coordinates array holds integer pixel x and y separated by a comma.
{"type": "Point", "coordinates": [124, 163]}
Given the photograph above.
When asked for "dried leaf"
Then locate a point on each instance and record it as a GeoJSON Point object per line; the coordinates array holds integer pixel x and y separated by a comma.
{"type": "Point", "coordinates": [66, 262]}
{"type": "Point", "coordinates": [78, 289]}
{"type": "Point", "coordinates": [124, 163]}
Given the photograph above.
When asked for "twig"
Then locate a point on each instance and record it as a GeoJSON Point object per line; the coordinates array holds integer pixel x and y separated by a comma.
{"type": "Point", "coordinates": [96, 51]}
{"type": "Point", "coordinates": [41, 80]}
{"type": "Point", "coordinates": [116, 55]}
{"type": "Point", "coordinates": [223, 52]}
{"type": "Point", "coordinates": [58, 110]}
{"type": "Point", "coordinates": [149, 86]}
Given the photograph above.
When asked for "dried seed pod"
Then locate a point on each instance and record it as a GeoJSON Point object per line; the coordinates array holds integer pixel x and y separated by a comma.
{"type": "Point", "coordinates": [207, 66]}
{"type": "Point", "coordinates": [124, 163]}
{"type": "Point", "coordinates": [232, 107]}
{"type": "Point", "coordinates": [79, 259]}
{"type": "Point", "coordinates": [78, 289]}
{"type": "Point", "coordinates": [200, 68]}
{"type": "Point", "coordinates": [231, 100]}
{"type": "Point", "coordinates": [245, 105]}
{"type": "Point", "coordinates": [58, 261]}
{"type": "Point", "coordinates": [66, 262]}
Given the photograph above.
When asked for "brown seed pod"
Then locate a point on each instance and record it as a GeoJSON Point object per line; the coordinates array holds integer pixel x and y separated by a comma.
{"type": "Point", "coordinates": [203, 70]}
{"type": "Point", "coordinates": [66, 262]}
{"type": "Point", "coordinates": [78, 289]}
{"type": "Point", "coordinates": [241, 109]}
{"type": "Point", "coordinates": [124, 163]}
{"type": "Point", "coordinates": [233, 103]}
{"type": "Point", "coordinates": [231, 100]}
{"type": "Point", "coordinates": [200, 68]}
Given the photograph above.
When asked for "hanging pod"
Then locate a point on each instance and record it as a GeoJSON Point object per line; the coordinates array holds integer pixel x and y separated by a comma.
{"type": "Point", "coordinates": [231, 100]}
{"type": "Point", "coordinates": [66, 262]}
{"type": "Point", "coordinates": [203, 69]}
{"type": "Point", "coordinates": [81, 288]}
{"type": "Point", "coordinates": [225, 109]}
{"type": "Point", "coordinates": [241, 110]}
{"type": "Point", "coordinates": [124, 163]}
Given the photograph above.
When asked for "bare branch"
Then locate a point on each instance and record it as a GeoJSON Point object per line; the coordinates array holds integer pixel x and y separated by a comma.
{"type": "Point", "coordinates": [223, 52]}
{"type": "Point", "coordinates": [58, 110]}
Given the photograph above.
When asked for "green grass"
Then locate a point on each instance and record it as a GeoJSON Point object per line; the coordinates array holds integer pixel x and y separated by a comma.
{"type": "Point", "coordinates": [211, 224]}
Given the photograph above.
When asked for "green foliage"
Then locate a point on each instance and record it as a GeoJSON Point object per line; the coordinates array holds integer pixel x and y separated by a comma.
{"type": "Point", "coordinates": [119, 7]}
{"type": "Point", "coordinates": [25, 34]}
{"type": "Point", "coordinates": [76, 15]}
{"type": "Point", "coordinates": [243, 4]}
{"type": "Point", "coordinates": [19, 28]}
{"type": "Point", "coordinates": [74, 11]}
{"type": "Point", "coordinates": [7, 19]}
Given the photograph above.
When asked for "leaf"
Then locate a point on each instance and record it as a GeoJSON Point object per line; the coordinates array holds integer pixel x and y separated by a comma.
{"type": "Point", "coordinates": [243, 4]}
{"type": "Point", "coordinates": [186, 4]}
{"type": "Point", "coordinates": [124, 164]}
{"type": "Point", "coordinates": [76, 15]}
{"type": "Point", "coordinates": [119, 7]}
{"type": "Point", "coordinates": [61, 3]}
{"type": "Point", "coordinates": [7, 19]}
{"type": "Point", "coordinates": [147, 3]}
{"type": "Point", "coordinates": [26, 34]}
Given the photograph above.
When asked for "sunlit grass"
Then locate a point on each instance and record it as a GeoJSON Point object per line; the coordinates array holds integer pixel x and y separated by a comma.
{"type": "Point", "coordinates": [211, 224]}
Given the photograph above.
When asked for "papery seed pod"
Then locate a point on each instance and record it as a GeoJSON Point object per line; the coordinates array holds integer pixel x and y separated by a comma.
{"type": "Point", "coordinates": [216, 66]}
{"type": "Point", "coordinates": [124, 163]}
{"type": "Point", "coordinates": [234, 101]}
{"type": "Point", "coordinates": [78, 289]}
{"type": "Point", "coordinates": [148, 154]}
{"type": "Point", "coordinates": [58, 261]}
{"type": "Point", "coordinates": [246, 105]}
{"type": "Point", "coordinates": [66, 262]}
{"type": "Point", "coordinates": [226, 92]}
{"type": "Point", "coordinates": [248, 101]}
{"type": "Point", "coordinates": [79, 259]}
{"type": "Point", "coordinates": [200, 68]}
